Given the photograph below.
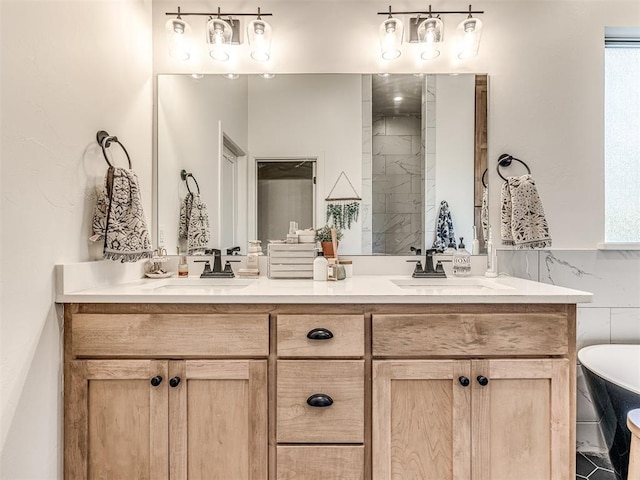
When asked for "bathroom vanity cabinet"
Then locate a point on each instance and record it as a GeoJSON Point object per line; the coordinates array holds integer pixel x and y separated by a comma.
{"type": "Point", "coordinates": [316, 391]}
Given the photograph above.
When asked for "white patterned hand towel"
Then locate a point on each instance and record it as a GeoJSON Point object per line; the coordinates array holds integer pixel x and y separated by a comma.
{"type": "Point", "coordinates": [194, 223]}
{"type": "Point", "coordinates": [119, 218]}
{"type": "Point", "coordinates": [523, 222]}
{"type": "Point", "coordinates": [444, 233]}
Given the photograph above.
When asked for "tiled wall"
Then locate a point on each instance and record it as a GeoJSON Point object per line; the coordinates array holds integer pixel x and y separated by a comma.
{"type": "Point", "coordinates": [398, 189]}
{"type": "Point", "coordinates": [365, 205]}
{"type": "Point", "coordinates": [613, 316]}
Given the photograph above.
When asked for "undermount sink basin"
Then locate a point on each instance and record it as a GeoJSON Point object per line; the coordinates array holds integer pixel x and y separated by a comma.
{"type": "Point", "coordinates": [200, 285]}
{"type": "Point", "coordinates": [453, 285]}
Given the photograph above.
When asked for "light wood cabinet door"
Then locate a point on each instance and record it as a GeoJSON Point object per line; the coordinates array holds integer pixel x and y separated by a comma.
{"type": "Point", "coordinates": [116, 420]}
{"type": "Point", "coordinates": [521, 420]}
{"type": "Point", "coordinates": [511, 421]}
{"type": "Point", "coordinates": [421, 419]}
{"type": "Point", "coordinates": [218, 420]}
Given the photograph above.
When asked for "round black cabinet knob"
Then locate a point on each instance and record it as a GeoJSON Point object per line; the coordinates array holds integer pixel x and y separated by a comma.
{"type": "Point", "coordinates": [319, 400]}
{"type": "Point", "coordinates": [320, 334]}
{"type": "Point", "coordinates": [483, 380]}
{"type": "Point", "coordinates": [464, 381]}
{"type": "Point", "coordinates": [174, 382]}
{"type": "Point", "coordinates": [157, 380]}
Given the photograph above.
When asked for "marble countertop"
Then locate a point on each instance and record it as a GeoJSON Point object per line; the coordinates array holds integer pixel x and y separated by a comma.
{"type": "Point", "coordinates": [364, 289]}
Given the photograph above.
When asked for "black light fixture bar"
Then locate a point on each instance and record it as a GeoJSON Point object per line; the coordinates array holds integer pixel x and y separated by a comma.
{"type": "Point", "coordinates": [221, 14]}
{"type": "Point", "coordinates": [435, 12]}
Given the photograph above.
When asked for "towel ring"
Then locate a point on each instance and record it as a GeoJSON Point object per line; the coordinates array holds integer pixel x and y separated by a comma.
{"type": "Point", "coordinates": [105, 140]}
{"type": "Point", "coordinates": [484, 174]}
{"type": "Point", "coordinates": [504, 160]}
{"type": "Point", "coordinates": [184, 175]}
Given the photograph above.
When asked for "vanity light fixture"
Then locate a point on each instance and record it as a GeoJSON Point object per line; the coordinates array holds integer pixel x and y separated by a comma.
{"type": "Point", "coordinates": [222, 31]}
{"type": "Point", "coordinates": [430, 34]}
{"type": "Point", "coordinates": [391, 35]}
{"type": "Point", "coordinates": [178, 33]}
{"type": "Point", "coordinates": [231, 76]}
{"type": "Point", "coordinates": [471, 31]}
{"type": "Point", "coordinates": [259, 36]}
{"type": "Point", "coordinates": [219, 33]}
{"type": "Point", "coordinates": [427, 29]}
{"type": "Point", "coordinates": [267, 75]}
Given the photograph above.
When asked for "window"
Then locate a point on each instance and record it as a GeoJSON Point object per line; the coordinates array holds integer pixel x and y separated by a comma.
{"type": "Point", "coordinates": [622, 136]}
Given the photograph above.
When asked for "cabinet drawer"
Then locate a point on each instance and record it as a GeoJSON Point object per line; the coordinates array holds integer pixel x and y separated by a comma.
{"type": "Point", "coordinates": [169, 335]}
{"type": "Point", "coordinates": [341, 422]}
{"type": "Point", "coordinates": [470, 334]}
{"type": "Point", "coordinates": [346, 331]}
{"type": "Point", "coordinates": [320, 462]}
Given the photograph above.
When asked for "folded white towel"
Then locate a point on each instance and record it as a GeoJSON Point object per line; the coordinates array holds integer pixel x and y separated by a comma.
{"type": "Point", "coordinates": [194, 223]}
{"type": "Point", "coordinates": [523, 222]}
{"type": "Point", "coordinates": [119, 218]}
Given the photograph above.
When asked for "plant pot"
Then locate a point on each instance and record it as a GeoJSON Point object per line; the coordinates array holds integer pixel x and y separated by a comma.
{"type": "Point", "coordinates": [327, 249]}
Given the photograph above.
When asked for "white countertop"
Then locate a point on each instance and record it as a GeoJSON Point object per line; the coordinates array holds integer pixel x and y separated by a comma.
{"type": "Point", "coordinates": [365, 289]}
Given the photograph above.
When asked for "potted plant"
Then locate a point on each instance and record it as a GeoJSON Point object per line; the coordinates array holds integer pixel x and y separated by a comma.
{"type": "Point", "coordinates": [323, 235]}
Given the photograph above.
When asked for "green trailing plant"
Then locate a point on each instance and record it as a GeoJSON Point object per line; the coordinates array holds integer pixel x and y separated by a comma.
{"type": "Point", "coordinates": [343, 214]}
{"type": "Point", "coordinates": [324, 234]}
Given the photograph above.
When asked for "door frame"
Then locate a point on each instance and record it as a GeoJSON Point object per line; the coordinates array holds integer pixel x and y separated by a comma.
{"type": "Point", "coordinates": [318, 185]}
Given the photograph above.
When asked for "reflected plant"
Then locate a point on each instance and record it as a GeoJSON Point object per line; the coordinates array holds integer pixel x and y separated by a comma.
{"type": "Point", "coordinates": [343, 214]}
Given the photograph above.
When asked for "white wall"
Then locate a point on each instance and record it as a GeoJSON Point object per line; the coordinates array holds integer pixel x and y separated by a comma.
{"type": "Point", "coordinates": [455, 119]}
{"type": "Point", "coordinates": [190, 113]}
{"type": "Point", "coordinates": [69, 69]}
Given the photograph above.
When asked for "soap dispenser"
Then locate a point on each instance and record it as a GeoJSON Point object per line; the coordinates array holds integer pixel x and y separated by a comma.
{"type": "Point", "coordinates": [461, 261]}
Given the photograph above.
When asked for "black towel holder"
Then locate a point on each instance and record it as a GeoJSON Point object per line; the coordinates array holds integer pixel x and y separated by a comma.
{"type": "Point", "coordinates": [184, 175]}
{"type": "Point", "coordinates": [484, 174]}
{"type": "Point", "coordinates": [505, 160]}
{"type": "Point", "coordinates": [105, 140]}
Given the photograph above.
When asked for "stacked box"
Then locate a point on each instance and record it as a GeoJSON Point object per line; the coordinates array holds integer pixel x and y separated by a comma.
{"type": "Point", "coordinates": [291, 260]}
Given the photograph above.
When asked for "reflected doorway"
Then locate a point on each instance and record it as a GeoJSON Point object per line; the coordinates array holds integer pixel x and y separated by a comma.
{"type": "Point", "coordinates": [285, 193]}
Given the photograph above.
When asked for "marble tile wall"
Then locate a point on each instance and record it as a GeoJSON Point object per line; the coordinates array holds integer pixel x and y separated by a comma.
{"type": "Point", "coordinates": [397, 168]}
{"type": "Point", "coordinates": [613, 316]}
{"type": "Point", "coordinates": [367, 166]}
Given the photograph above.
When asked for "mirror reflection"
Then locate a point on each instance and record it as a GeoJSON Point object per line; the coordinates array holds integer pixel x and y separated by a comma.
{"type": "Point", "coordinates": [267, 152]}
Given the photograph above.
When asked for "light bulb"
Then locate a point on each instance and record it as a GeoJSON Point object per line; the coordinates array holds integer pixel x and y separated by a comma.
{"type": "Point", "coordinates": [391, 33]}
{"type": "Point", "coordinates": [259, 36]}
{"type": "Point", "coordinates": [177, 31]}
{"type": "Point", "coordinates": [430, 33]}
{"type": "Point", "coordinates": [471, 31]}
{"type": "Point", "coordinates": [219, 34]}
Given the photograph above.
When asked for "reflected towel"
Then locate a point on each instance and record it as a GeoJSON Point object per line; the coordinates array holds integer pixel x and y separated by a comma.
{"type": "Point", "coordinates": [523, 222]}
{"type": "Point", "coordinates": [484, 214]}
{"type": "Point", "coordinates": [194, 223]}
{"type": "Point", "coordinates": [119, 218]}
{"type": "Point", "coordinates": [444, 232]}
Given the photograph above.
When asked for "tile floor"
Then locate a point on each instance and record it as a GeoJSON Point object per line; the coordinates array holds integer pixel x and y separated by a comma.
{"type": "Point", "coordinates": [591, 467]}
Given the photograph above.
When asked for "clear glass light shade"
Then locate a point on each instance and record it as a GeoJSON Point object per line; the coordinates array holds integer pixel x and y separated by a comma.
{"type": "Point", "coordinates": [470, 31]}
{"type": "Point", "coordinates": [259, 36]}
{"type": "Point", "coordinates": [430, 33]}
{"type": "Point", "coordinates": [178, 32]}
{"type": "Point", "coordinates": [391, 33]}
{"type": "Point", "coordinates": [219, 35]}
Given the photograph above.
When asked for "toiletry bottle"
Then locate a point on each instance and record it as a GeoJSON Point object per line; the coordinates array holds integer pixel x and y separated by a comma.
{"type": "Point", "coordinates": [475, 245]}
{"type": "Point", "coordinates": [332, 270]}
{"type": "Point", "coordinates": [461, 261]}
{"type": "Point", "coordinates": [320, 267]}
{"type": "Point", "coordinates": [183, 267]}
{"type": "Point", "coordinates": [492, 268]}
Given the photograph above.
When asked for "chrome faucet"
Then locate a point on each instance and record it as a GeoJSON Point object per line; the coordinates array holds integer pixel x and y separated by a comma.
{"type": "Point", "coordinates": [429, 271]}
